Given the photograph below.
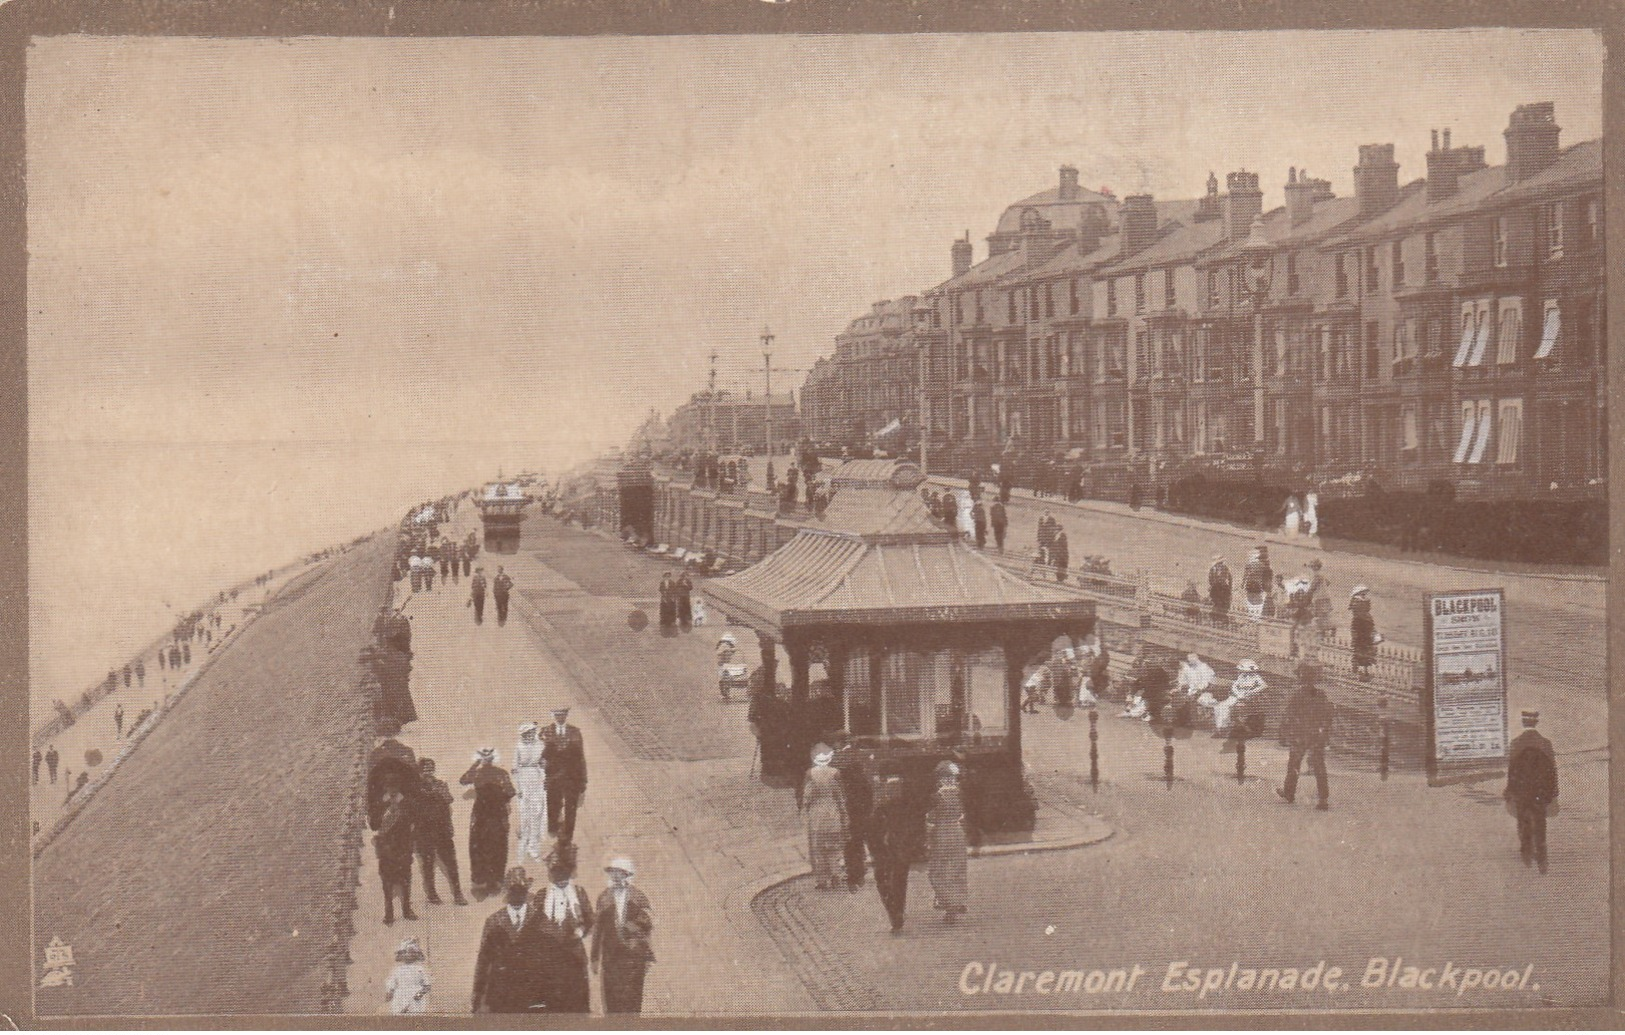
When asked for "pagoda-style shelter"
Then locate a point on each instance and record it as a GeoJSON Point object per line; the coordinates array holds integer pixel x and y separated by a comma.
{"type": "Point", "coordinates": [900, 638]}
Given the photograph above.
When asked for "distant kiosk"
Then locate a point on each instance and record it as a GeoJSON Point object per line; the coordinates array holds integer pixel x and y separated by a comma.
{"type": "Point", "coordinates": [502, 507]}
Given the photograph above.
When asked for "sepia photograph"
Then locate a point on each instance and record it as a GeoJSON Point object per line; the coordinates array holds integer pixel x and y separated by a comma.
{"type": "Point", "coordinates": [832, 528]}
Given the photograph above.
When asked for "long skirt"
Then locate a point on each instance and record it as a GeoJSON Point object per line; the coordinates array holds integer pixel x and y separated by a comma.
{"type": "Point", "coordinates": [826, 844]}
{"type": "Point", "coordinates": [1363, 641]}
{"type": "Point", "coordinates": [488, 845]}
{"type": "Point", "coordinates": [948, 867]}
{"type": "Point", "coordinates": [532, 786]}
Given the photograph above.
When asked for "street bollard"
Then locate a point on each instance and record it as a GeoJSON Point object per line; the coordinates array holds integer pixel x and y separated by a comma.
{"type": "Point", "coordinates": [1168, 756]}
{"type": "Point", "coordinates": [1382, 757]}
{"type": "Point", "coordinates": [1241, 759]}
{"type": "Point", "coordinates": [1094, 749]}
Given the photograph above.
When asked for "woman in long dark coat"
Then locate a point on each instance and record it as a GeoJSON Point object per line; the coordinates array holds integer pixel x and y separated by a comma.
{"type": "Point", "coordinates": [1362, 631]}
{"type": "Point", "coordinates": [488, 826]}
{"type": "Point", "coordinates": [945, 833]}
{"type": "Point", "coordinates": [668, 602]}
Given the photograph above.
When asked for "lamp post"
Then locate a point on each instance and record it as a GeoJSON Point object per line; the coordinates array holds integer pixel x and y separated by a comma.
{"type": "Point", "coordinates": [1257, 270]}
{"type": "Point", "coordinates": [767, 385]}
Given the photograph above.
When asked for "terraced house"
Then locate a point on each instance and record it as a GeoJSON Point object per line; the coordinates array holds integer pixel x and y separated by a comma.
{"type": "Point", "coordinates": [1447, 329]}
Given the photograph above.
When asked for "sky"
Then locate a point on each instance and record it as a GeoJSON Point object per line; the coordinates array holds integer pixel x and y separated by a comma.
{"type": "Point", "coordinates": [449, 240]}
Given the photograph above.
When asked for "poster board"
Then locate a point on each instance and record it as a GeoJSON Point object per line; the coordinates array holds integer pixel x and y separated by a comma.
{"type": "Point", "coordinates": [1465, 704]}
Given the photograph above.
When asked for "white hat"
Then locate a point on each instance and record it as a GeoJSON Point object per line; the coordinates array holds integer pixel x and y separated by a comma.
{"type": "Point", "coordinates": [728, 638]}
{"type": "Point", "coordinates": [1358, 591]}
{"type": "Point", "coordinates": [622, 863]}
{"type": "Point", "coordinates": [1246, 665]}
{"type": "Point", "coordinates": [528, 727]}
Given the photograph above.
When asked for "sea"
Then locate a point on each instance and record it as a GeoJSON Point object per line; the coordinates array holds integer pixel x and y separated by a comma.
{"type": "Point", "coordinates": [126, 537]}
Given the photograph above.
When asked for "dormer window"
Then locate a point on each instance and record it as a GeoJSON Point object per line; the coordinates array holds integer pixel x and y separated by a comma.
{"type": "Point", "coordinates": [1554, 230]}
{"type": "Point", "coordinates": [1498, 242]}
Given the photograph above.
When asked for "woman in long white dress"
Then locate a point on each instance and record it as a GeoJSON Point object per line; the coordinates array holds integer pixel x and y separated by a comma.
{"type": "Point", "coordinates": [1293, 517]}
{"type": "Point", "coordinates": [531, 783]}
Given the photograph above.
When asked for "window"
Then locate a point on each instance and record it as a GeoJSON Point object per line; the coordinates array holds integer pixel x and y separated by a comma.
{"type": "Point", "coordinates": [1213, 288]}
{"type": "Point", "coordinates": [1049, 300]}
{"type": "Point", "coordinates": [1032, 303]}
{"type": "Point", "coordinates": [1469, 417]}
{"type": "Point", "coordinates": [1072, 296]}
{"type": "Point", "coordinates": [1371, 278]}
{"type": "Point", "coordinates": [1498, 241]}
{"type": "Point", "coordinates": [982, 676]}
{"type": "Point", "coordinates": [1551, 326]}
{"type": "Point", "coordinates": [981, 314]}
{"type": "Point", "coordinates": [1469, 328]}
{"type": "Point", "coordinates": [1482, 319]}
{"type": "Point", "coordinates": [1408, 433]}
{"type": "Point", "coordinates": [1169, 298]}
{"type": "Point", "coordinates": [1593, 222]}
{"type": "Point", "coordinates": [1342, 276]}
{"type": "Point", "coordinates": [1139, 292]}
{"type": "Point", "coordinates": [1291, 273]}
{"type": "Point", "coordinates": [1506, 444]}
{"type": "Point", "coordinates": [1398, 259]}
{"type": "Point", "coordinates": [1142, 355]}
{"type": "Point", "coordinates": [1481, 433]}
{"type": "Point", "coordinates": [1509, 331]}
{"type": "Point", "coordinates": [1430, 260]}
{"type": "Point", "coordinates": [1373, 348]}
{"type": "Point", "coordinates": [1010, 307]}
{"type": "Point", "coordinates": [1111, 298]}
{"type": "Point", "coordinates": [1554, 230]}
{"type": "Point", "coordinates": [912, 685]}
{"type": "Point", "coordinates": [1403, 356]}
{"type": "Point", "coordinates": [1433, 337]}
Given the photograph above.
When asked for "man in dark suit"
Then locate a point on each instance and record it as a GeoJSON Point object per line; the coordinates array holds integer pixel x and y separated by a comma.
{"type": "Point", "coordinates": [1531, 788]}
{"type": "Point", "coordinates": [432, 831]}
{"type": "Point", "coordinates": [1307, 729]}
{"type": "Point", "coordinates": [565, 760]}
{"type": "Point", "coordinates": [500, 587]}
{"type": "Point", "coordinates": [621, 939]}
{"type": "Point", "coordinates": [856, 767]}
{"type": "Point", "coordinates": [894, 836]}
{"type": "Point", "coordinates": [511, 970]}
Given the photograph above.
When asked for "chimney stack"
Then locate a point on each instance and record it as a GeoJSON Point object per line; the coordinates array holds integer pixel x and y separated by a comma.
{"type": "Point", "coordinates": [1208, 209]}
{"type": "Point", "coordinates": [1244, 204]}
{"type": "Point", "coordinates": [1447, 138]}
{"type": "Point", "coordinates": [1376, 179]}
{"type": "Point", "coordinates": [1446, 166]}
{"type": "Point", "coordinates": [962, 255]}
{"type": "Point", "coordinates": [1138, 219]}
{"type": "Point", "coordinates": [1531, 136]}
{"type": "Point", "coordinates": [1069, 184]}
{"type": "Point", "coordinates": [1300, 197]}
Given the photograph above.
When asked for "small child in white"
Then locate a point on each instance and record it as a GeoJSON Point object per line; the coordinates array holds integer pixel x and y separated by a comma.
{"type": "Point", "coordinates": [408, 984]}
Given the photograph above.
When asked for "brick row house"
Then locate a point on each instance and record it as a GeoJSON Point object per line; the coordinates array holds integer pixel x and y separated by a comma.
{"type": "Point", "coordinates": [1447, 329]}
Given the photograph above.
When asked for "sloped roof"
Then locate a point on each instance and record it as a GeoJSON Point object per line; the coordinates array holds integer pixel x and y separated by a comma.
{"type": "Point", "coordinates": [988, 270]}
{"type": "Point", "coordinates": [1178, 242]}
{"type": "Point", "coordinates": [879, 558]}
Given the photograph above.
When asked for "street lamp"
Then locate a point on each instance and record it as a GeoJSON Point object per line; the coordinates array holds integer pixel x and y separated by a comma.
{"type": "Point", "coordinates": [1257, 270]}
{"type": "Point", "coordinates": [767, 386]}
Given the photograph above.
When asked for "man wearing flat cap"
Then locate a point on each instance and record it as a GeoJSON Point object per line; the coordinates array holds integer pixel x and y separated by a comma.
{"type": "Point", "coordinates": [566, 760]}
{"type": "Point", "coordinates": [512, 969]}
{"type": "Point", "coordinates": [432, 831]}
{"type": "Point", "coordinates": [621, 949]}
{"type": "Point", "coordinates": [1531, 788]}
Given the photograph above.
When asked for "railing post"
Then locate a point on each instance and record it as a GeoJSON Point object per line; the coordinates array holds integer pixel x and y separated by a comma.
{"type": "Point", "coordinates": [1382, 757]}
{"type": "Point", "coordinates": [1168, 755]}
{"type": "Point", "coordinates": [1241, 759]}
{"type": "Point", "coordinates": [1094, 748]}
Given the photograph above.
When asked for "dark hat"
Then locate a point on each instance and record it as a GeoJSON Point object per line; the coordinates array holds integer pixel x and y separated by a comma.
{"type": "Point", "coordinates": [426, 764]}
{"type": "Point", "coordinates": [516, 878]}
{"type": "Point", "coordinates": [561, 861]}
{"type": "Point", "coordinates": [1315, 563]}
{"type": "Point", "coordinates": [1530, 716]}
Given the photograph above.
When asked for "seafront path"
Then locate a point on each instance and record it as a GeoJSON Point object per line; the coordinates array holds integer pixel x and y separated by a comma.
{"type": "Point", "coordinates": [1557, 624]}
{"type": "Point", "coordinates": [1208, 870]}
{"type": "Point", "coordinates": [95, 729]}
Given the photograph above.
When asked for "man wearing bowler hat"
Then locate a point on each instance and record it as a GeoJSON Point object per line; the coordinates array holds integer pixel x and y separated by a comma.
{"type": "Point", "coordinates": [620, 939]}
{"type": "Point", "coordinates": [565, 759]}
{"type": "Point", "coordinates": [1531, 788]}
{"type": "Point", "coordinates": [512, 968]}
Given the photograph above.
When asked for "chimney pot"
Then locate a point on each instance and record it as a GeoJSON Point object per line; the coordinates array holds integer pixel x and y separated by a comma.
{"type": "Point", "coordinates": [1435, 140]}
{"type": "Point", "coordinates": [1447, 138]}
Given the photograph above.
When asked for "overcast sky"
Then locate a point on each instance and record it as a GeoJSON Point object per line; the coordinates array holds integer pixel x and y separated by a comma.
{"type": "Point", "coordinates": [482, 239]}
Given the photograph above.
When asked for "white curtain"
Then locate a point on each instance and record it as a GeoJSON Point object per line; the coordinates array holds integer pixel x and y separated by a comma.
{"type": "Point", "coordinates": [1481, 436]}
{"type": "Point", "coordinates": [1481, 336]}
{"type": "Point", "coordinates": [1551, 327]}
{"type": "Point", "coordinates": [1469, 311]}
{"type": "Point", "coordinates": [1468, 419]}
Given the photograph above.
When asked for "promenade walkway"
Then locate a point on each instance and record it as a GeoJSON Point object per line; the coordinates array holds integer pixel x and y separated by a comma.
{"type": "Point", "coordinates": [1209, 870]}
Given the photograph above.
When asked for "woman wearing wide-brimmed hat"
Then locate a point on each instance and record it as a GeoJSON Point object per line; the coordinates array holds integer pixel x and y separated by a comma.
{"type": "Point", "coordinates": [824, 801]}
{"type": "Point", "coordinates": [1363, 638]}
{"type": "Point", "coordinates": [488, 823]}
{"type": "Point", "coordinates": [945, 834]}
{"type": "Point", "coordinates": [530, 780]}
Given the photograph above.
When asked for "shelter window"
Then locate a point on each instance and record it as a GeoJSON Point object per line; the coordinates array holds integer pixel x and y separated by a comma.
{"type": "Point", "coordinates": [982, 676]}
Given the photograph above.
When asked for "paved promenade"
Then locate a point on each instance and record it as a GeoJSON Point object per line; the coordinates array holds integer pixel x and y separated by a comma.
{"type": "Point", "coordinates": [1208, 870]}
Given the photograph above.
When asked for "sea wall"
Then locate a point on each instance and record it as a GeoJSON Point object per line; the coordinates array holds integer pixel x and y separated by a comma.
{"type": "Point", "coordinates": [215, 872]}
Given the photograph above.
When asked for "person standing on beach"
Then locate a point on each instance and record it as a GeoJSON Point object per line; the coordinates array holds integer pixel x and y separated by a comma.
{"type": "Point", "coordinates": [163, 658]}
{"type": "Point", "coordinates": [51, 759]}
{"type": "Point", "coordinates": [500, 587]}
{"type": "Point", "coordinates": [141, 673]}
{"type": "Point", "coordinates": [37, 758]}
{"type": "Point", "coordinates": [118, 722]}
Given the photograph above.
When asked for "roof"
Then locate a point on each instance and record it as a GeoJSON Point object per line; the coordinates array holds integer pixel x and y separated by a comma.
{"type": "Point", "coordinates": [1327, 218]}
{"type": "Point", "coordinates": [1482, 189]}
{"type": "Point", "coordinates": [985, 272]}
{"type": "Point", "coordinates": [1178, 242]}
{"type": "Point", "coordinates": [1063, 215]}
{"type": "Point", "coordinates": [879, 558]}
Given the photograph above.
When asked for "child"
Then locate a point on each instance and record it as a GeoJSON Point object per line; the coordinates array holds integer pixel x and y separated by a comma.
{"type": "Point", "coordinates": [408, 984]}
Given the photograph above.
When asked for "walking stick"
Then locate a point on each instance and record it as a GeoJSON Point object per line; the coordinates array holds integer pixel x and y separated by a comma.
{"type": "Point", "coordinates": [757, 750]}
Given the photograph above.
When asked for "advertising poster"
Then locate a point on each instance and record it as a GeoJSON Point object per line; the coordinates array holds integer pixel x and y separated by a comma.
{"type": "Point", "coordinates": [1466, 642]}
